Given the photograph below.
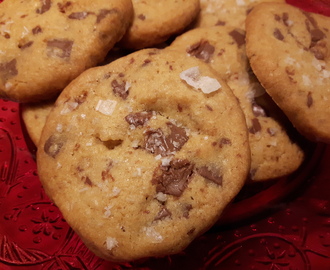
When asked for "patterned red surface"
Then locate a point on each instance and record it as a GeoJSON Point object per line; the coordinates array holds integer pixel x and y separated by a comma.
{"type": "Point", "coordinates": [284, 226]}
{"type": "Point", "coordinates": [317, 6]}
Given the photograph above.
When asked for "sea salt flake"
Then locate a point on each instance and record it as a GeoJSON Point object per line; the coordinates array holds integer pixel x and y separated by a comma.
{"type": "Point", "coordinates": [155, 236]}
{"type": "Point", "coordinates": [107, 212]}
{"type": "Point", "coordinates": [306, 80]}
{"type": "Point", "coordinates": [69, 107]}
{"type": "Point", "coordinates": [8, 85]}
{"type": "Point", "coordinates": [59, 128]}
{"type": "Point", "coordinates": [115, 191]}
{"type": "Point", "coordinates": [160, 196]}
{"type": "Point", "coordinates": [166, 161]}
{"type": "Point", "coordinates": [111, 243]}
{"type": "Point", "coordinates": [193, 77]}
{"type": "Point", "coordinates": [106, 107]}
{"type": "Point", "coordinates": [325, 74]}
{"type": "Point", "coordinates": [127, 86]}
{"type": "Point", "coordinates": [240, 2]}
{"type": "Point", "coordinates": [25, 32]}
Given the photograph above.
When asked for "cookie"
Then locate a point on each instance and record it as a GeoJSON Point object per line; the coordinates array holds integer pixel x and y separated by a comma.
{"type": "Point", "coordinates": [156, 21]}
{"type": "Point", "coordinates": [142, 155]}
{"type": "Point", "coordinates": [289, 51]}
{"type": "Point", "coordinates": [226, 12]}
{"type": "Point", "coordinates": [34, 117]}
{"type": "Point", "coordinates": [45, 44]}
{"type": "Point", "coordinates": [273, 152]}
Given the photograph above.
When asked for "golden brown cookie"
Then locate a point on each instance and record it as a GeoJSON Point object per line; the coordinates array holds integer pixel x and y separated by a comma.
{"type": "Point", "coordinates": [273, 153]}
{"type": "Point", "coordinates": [44, 44]}
{"type": "Point", "coordinates": [34, 116]}
{"type": "Point", "coordinates": [289, 51]}
{"type": "Point", "coordinates": [142, 155]}
{"type": "Point", "coordinates": [226, 12]}
{"type": "Point", "coordinates": [155, 21]}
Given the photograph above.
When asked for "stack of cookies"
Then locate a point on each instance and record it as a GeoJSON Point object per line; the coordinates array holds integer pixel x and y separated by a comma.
{"type": "Point", "coordinates": [149, 117]}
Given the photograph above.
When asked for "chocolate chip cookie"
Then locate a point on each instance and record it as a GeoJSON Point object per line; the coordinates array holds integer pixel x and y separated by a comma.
{"type": "Point", "coordinates": [156, 21]}
{"type": "Point", "coordinates": [289, 51]}
{"type": "Point", "coordinates": [142, 155]}
{"type": "Point", "coordinates": [44, 44]}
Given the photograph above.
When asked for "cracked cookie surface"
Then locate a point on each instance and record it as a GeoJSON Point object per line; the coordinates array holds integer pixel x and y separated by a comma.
{"type": "Point", "coordinates": [142, 155]}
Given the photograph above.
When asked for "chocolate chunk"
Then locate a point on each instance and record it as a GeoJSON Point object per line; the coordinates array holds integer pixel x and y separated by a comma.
{"type": "Point", "coordinates": [53, 145]}
{"type": "Point", "coordinates": [155, 142]}
{"type": "Point", "coordinates": [310, 19]}
{"type": "Point", "coordinates": [8, 69]}
{"type": "Point", "coordinates": [177, 138]}
{"type": "Point", "coordinates": [36, 30]}
{"type": "Point", "coordinates": [62, 7]}
{"type": "Point", "coordinates": [45, 6]}
{"type": "Point", "coordinates": [186, 209]}
{"type": "Point", "coordinates": [256, 127]}
{"type": "Point", "coordinates": [238, 36]}
{"type": "Point", "coordinates": [278, 34]}
{"type": "Point", "coordinates": [25, 45]}
{"type": "Point", "coordinates": [309, 100]}
{"type": "Point", "coordinates": [285, 19]}
{"type": "Point", "coordinates": [290, 71]}
{"type": "Point", "coordinates": [220, 23]}
{"type": "Point", "coordinates": [106, 174]}
{"type": "Point", "coordinates": [163, 213]}
{"type": "Point", "coordinates": [319, 50]}
{"type": "Point", "coordinates": [139, 118]}
{"type": "Point", "coordinates": [141, 17]}
{"type": "Point", "coordinates": [81, 98]}
{"type": "Point", "coordinates": [78, 15]}
{"type": "Point", "coordinates": [202, 50]}
{"type": "Point", "coordinates": [191, 231]}
{"type": "Point", "coordinates": [271, 131]}
{"type": "Point", "coordinates": [257, 110]}
{"type": "Point", "coordinates": [209, 107]}
{"type": "Point", "coordinates": [317, 34]}
{"type": "Point", "coordinates": [211, 173]}
{"type": "Point", "coordinates": [224, 141]}
{"type": "Point", "coordinates": [277, 17]}
{"type": "Point", "coordinates": [59, 48]}
{"type": "Point", "coordinates": [158, 143]}
{"type": "Point", "coordinates": [103, 13]}
{"type": "Point", "coordinates": [119, 89]}
{"type": "Point", "coordinates": [174, 178]}
{"type": "Point", "coordinates": [146, 62]}
{"type": "Point", "coordinates": [87, 181]}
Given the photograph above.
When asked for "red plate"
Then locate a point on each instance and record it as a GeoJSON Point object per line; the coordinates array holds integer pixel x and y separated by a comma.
{"type": "Point", "coordinates": [284, 224]}
{"type": "Point", "coordinates": [280, 225]}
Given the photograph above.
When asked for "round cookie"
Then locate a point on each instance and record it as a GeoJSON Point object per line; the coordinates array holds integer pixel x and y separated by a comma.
{"type": "Point", "coordinates": [273, 153]}
{"type": "Point", "coordinates": [226, 12]}
{"type": "Point", "coordinates": [142, 155]}
{"type": "Point", "coordinates": [45, 44]}
{"type": "Point", "coordinates": [289, 51]}
{"type": "Point", "coordinates": [34, 116]}
{"type": "Point", "coordinates": [156, 21]}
